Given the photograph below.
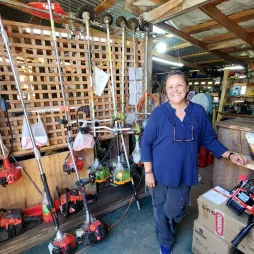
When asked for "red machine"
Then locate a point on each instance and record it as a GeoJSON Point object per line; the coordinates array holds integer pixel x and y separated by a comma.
{"type": "Point", "coordinates": [64, 246]}
{"type": "Point", "coordinates": [9, 173]}
{"type": "Point", "coordinates": [13, 223]}
{"type": "Point", "coordinates": [68, 165]}
{"type": "Point", "coordinates": [56, 8]}
{"type": "Point", "coordinates": [242, 198]}
{"type": "Point", "coordinates": [71, 201]}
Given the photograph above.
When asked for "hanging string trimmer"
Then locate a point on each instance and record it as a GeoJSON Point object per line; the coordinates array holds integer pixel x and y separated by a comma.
{"type": "Point", "coordinates": [120, 175]}
{"type": "Point", "coordinates": [99, 173]}
{"type": "Point", "coordinates": [133, 25]}
{"type": "Point", "coordinates": [62, 243]}
{"type": "Point", "coordinates": [92, 230]}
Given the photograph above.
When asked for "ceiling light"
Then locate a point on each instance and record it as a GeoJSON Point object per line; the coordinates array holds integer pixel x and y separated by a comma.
{"type": "Point", "coordinates": [161, 47]}
{"type": "Point", "coordinates": [234, 67]}
{"type": "Point", "coordinates": [166, 61]}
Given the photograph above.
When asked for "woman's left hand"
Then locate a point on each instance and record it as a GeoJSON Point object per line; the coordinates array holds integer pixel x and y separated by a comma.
{"type": "Point", "coordinates": [238, 159]}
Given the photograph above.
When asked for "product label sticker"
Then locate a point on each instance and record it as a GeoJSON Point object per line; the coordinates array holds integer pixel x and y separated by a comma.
{"type": "Point", "coordinates": [219, 223]}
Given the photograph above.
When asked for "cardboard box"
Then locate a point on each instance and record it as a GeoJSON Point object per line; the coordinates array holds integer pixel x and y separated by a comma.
{"type": "Point", "coordinates": [206, 242]}
{"type": "Point", "coordinates": [215, 216]}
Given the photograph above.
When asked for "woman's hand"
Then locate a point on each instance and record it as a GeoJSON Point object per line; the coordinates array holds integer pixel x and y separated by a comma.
{"type": "Point", "coordinates": [150, 180]}
{"type": "Point", "coordinates": [238, 159]}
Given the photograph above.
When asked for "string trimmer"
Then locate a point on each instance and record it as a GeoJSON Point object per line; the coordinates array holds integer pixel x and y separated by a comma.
{"type": "Point", "coordinates": [62, 243]}
{"type": "Point", "coordinates": [92, 230]}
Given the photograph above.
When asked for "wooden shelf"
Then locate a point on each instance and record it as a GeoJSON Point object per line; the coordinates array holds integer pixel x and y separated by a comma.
{"type": "Point", "coordinates": [238, 115]}
{"type": "Point", "coordinates": [242, 96]}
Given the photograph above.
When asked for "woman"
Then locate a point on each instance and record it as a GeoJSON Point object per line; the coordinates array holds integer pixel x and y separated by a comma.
{"type": "Point", "coordinates": [169, 149]}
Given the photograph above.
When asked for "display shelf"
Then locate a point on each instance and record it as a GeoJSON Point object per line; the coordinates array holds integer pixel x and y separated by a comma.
{"type": "Point", "coordinates": [238, 115]}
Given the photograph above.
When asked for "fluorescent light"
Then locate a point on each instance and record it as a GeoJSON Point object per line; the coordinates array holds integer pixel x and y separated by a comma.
{"type": "Point", "coordinates": [166, 61]}
{"type": "Point", "coordinates": [161, 47]}
{"type": "Point", "coordinates": [158, 30]}
{"type": "Point", "coordinates": [234, 67]}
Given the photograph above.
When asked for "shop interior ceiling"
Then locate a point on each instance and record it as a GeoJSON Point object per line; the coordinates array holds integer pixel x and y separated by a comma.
{"type": "Point", "coordinates": [199, 24]}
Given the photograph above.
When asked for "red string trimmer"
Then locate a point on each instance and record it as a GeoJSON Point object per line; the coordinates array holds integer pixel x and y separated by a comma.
{"type": "Point", "coordinates": [9, 173]}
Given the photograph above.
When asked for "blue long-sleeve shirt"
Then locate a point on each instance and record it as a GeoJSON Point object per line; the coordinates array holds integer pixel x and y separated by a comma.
{"type": "Point", "coordinates": [175, 162]}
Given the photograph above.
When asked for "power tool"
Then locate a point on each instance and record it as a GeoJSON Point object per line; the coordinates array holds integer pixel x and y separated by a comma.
{"type": "Point", "coordinates": [71, 201]}
{"type": "Point", "coordinates": [9, 173]}
{"type": "Point", "coordinates": [242, 200]}
{"type": "Point", "coordinates": [68, 165]}
{"type": "Point", "coordinates": [13, 223]}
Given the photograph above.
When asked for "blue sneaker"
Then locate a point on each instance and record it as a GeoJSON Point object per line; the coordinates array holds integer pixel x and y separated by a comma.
{"type": "Point", "coordinates": [165, 250]}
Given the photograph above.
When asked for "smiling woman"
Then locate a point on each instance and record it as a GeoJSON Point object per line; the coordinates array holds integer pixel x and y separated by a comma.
{"type": "Point", "coordinates": [170, 145]}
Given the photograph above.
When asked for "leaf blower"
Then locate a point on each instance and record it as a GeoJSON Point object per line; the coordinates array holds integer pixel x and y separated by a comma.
{"type": "Point", "coordinates": [71, 201]}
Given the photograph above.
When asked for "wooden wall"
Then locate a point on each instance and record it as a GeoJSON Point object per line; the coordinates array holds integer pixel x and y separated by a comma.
{"type": "Point", "coordinates": [23, 194]}
{"type": "Point", "coordinates": [33, 53]}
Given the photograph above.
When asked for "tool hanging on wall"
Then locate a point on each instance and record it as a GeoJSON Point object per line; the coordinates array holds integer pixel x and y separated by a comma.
{"type": "Point", "coordinates": [145, 28]}
{"type": "Point", "coordinates": [62, 243]}
{"type": "Point", "coordinates": [98, 172]}
{"type": "Point", "coordinates": [119, 175]}
{"type": "Point", "coordinates": [133, 25]}
{"type": "Point", "coordinates": [122, 22]}
{"type": "Point", "coordinates": [92, 230]}
{"type": "Point", "coordinates": [9, 173]}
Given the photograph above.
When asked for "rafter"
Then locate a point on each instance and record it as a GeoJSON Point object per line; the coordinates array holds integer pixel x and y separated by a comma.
{"type": "Point", "coordinates": [195, 55]}
{"type": "Point", "coordinates": [175, 59]}
{"type": "Point", "coordinates": [226, 44]}
{"type": "Point", "coordinates": [232, 26]}
{"type": "Point", "coordinates": [198, 43]}
{"type": "Point", "coordinates": [129, 7]}
{"type": "Point", "coordinates": [171, 9]}
{"type": "Point", "coordinates": [237, 17]}
{"type": "Point", "coordinates": [104, 5]}
{"type": "Point", "coordinates": [179, 46]}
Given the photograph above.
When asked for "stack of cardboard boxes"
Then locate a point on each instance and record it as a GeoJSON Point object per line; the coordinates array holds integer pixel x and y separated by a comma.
{"type": "Point", "coordinates": [217, 226]}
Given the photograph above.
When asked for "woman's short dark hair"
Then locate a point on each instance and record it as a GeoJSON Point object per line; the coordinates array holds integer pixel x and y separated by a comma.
{"type": "Point", "coordinates": [179, 73]}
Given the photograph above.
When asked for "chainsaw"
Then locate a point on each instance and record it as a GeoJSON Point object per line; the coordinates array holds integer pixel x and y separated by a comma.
{"type": "Point", "coordinates": [9, 173]}
{"type": "Point", "coordinates": [13, 223]}
{"type": "Point", "coordinates": [71, 201]}
{"type": "Point", "coordinates": [242, 200]}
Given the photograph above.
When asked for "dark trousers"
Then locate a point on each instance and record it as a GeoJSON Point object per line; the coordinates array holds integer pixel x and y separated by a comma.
{"type": "Point", "coordinates": [169, 209]}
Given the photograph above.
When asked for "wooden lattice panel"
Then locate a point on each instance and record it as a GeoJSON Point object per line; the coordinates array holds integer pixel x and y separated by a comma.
{"type": "Point", "coordinates": [34, 56]}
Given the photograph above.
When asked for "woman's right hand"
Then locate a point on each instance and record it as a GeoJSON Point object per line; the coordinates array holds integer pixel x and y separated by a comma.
{"type": "Point", "coordinates": [150, 180]}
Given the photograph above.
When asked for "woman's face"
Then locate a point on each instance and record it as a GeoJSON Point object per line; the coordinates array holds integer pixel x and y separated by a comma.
{"type": "Point", "coordinates": [176, 89]}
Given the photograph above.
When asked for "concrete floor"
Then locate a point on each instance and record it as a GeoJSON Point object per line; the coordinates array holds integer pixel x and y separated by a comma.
{"type": "Point", "coordinates": [135, 233]}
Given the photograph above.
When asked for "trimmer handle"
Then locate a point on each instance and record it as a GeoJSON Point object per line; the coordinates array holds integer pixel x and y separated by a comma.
{"type": "Point", "coordinates": [236, 241]}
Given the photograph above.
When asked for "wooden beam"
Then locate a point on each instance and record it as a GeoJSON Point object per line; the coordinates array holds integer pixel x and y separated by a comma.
{"type": "Point", "coordinates": [226, 44]}
{"type": "Point", "coordinates": [158, 14]}
{"type": "Point", "coordinates": [210, 61]}
{"type": "Point", "coordinates": [237, 17]}
{"type": "Point", "coordinates": [159, 2]}
{"type": "Point", "coordinates": [232, 26]}
{"type": "Point", "coordinates": [104, 5]}
{"type": "Point", "coordinates": [175, 59]}
{"type": "Point", "coordinates": [131, 8]}
{"type": "Point", "coordinates": [198, 43]}
{"type": "Point", "coordinates": [194, 55]}
{"type": "Point", "coordinates": [179, 46]}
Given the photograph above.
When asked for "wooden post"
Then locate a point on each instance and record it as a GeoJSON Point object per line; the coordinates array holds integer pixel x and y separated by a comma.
{"type": "Point", "coordinates": [223, 94]}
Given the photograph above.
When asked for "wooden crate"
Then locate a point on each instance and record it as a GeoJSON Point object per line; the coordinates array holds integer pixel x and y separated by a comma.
{"type": "Point", "coordinates": [34, 56]}
{"type": "Point", "coordinates": [232, 134]}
